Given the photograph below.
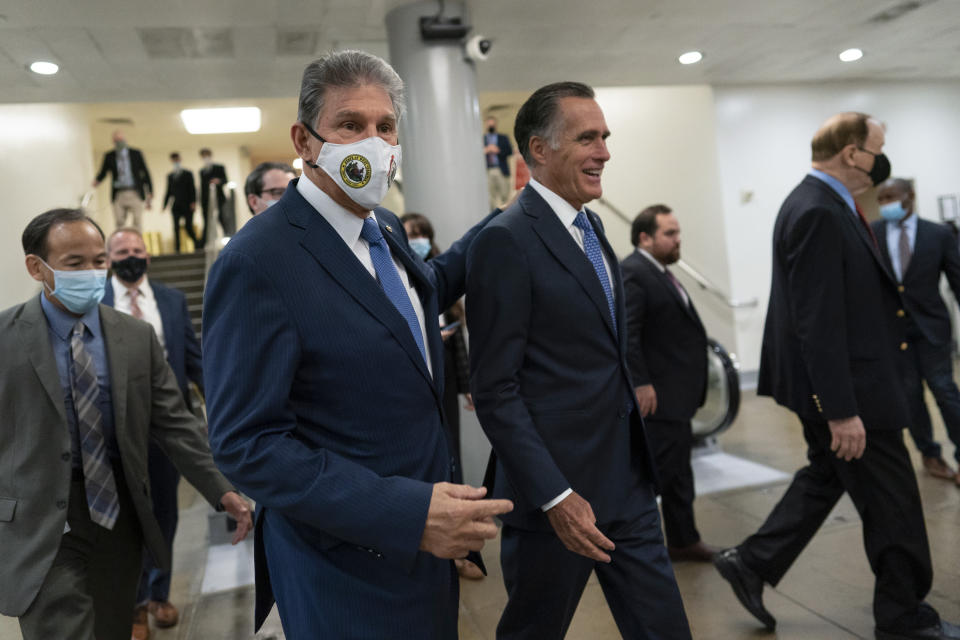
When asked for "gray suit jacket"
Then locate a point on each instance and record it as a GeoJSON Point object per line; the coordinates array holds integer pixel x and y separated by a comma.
{"type": "Point", "coordinates": [35, 465]}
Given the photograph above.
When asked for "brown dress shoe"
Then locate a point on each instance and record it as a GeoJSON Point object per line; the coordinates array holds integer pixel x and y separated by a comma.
{"type": "Point", "coordinates": [696, 552]}
{"type": "Point", "coordinates": [141, 626]}
{"type": "Point", "coordinates": [938, 468]}
{"type": "Point", "coordinates": [164, 614]}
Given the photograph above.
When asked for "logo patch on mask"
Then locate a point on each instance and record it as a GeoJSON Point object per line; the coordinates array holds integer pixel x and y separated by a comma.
{"type": "Point", "coordinates": [355, 171]}
{"type": "Point", "coordinates": [392, 172]}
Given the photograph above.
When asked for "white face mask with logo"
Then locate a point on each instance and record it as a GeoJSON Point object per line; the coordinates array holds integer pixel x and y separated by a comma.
{"type": "Point", "coordinates": [364, 170]}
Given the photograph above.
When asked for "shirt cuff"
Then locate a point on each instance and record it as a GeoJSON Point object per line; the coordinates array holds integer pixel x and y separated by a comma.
{"type": "Point", "coordinates": [556, 501]}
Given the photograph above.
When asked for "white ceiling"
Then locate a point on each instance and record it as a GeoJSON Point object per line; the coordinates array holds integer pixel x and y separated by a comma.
{"type": "Point", "coordinates": [138, 50]}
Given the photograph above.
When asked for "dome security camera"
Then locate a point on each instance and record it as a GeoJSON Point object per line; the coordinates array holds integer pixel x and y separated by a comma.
{"type": "Point", "coordinates": [478, 48]}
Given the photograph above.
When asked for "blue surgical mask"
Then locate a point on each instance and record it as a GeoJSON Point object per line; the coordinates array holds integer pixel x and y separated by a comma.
{"type": "Point", "coordinates": [78, 291]}
{"type": "Point", "coordinates": [893, 211]}
{"type": "Point", "coordinates": [420, 246]}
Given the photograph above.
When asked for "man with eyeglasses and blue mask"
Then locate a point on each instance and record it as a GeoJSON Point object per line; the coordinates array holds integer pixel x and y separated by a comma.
{"type": "Point", "coordinates": [323, 365]}
{"type": "Point", "coordinates": [918, 251]}
{"type": "Point", "coordinates": [266, 184]}
{"type": "Point", "coordinates": [84, 388]}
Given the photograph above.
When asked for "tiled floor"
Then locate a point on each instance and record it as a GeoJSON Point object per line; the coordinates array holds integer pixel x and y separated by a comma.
{"type": "Point", "coordinates": [825, 596]}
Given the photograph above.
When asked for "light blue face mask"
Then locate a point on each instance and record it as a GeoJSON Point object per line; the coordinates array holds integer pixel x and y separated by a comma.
{"type": "Point", "coordinates": [893, 211]}
{"type": "Point", "coordinates": [420, 246]}
{"type": "Point", "coordinates": [79, 291]}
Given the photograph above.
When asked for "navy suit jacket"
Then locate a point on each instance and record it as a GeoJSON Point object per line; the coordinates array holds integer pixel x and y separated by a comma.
{"type": "Point", "coordinates": [323, 410]}
{"type": "Point", "coordinates": [548, 370]}
{"type": "Point", "coordinates": [832, 338]}
{"type": "Point", "coordinates": [667, 341]}
{"type": "Point", "coordinates": [935, 251]}
{"type": "Point", "coordinates": [505, 152]}
{"type": "Point", "coordinates": [180, 340]}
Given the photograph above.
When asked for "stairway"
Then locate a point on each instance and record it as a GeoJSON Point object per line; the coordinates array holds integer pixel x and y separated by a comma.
{"type": "Point", "coordinates": [183, 271]}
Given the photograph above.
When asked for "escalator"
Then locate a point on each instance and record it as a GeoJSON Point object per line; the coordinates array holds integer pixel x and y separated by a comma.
{"type": "Point", "coordinates": [722, 402]}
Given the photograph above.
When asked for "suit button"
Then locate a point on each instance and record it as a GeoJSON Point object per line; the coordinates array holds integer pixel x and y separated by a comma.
{"type": "Point", "coordinates": [900, 288]}
{"type": "Point", "coordinates": [61, 504]}
{"type": "Point", "coordinates": [903, 346]}
{"type": "Point", "coordinates": [65, 456]}
{"type": "Point", "coordinates": [901, 313]}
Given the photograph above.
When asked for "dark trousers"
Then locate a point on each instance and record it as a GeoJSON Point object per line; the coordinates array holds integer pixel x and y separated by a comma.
{"type": "Point", "coordinates": [545, 581]}
{"type": "Point", "coordinates": [932, 364]}
{"type": "Point", "coordinates": [186, 215]}
{"type": "Point", "coordinates": [883, 488]}
{"type": "Point", "coordinates": [164, 479]}
{"type": "Point", "coordinates": [671, 441]}
{"type": "Point", "coordinates": [89, 591]}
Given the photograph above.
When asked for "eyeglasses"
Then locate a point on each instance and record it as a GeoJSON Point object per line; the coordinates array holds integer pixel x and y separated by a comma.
{"type": "Point", "coordinates": [276, 193]}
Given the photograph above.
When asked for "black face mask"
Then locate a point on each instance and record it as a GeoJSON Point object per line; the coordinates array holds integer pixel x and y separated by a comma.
{"type": "Point", "coordinates": [491, 129]}
{"type": "Point", "coordinates": [881, 167]}
{"type": "Point", "coordinates": [130, 269]}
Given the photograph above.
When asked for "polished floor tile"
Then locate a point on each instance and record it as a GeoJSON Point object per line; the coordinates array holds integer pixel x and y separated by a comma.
{"type": "Point", "coordinates": [825, 596]}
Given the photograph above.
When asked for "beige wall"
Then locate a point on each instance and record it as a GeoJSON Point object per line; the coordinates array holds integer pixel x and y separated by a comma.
{"type": "Point", "coordinates": [45, 163]}
{"type": "Point", "coordinates": [663, 150]}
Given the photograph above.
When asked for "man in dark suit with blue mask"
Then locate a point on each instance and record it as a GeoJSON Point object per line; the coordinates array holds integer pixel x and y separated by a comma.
{"type": "Point", "coordinates": [553, 392]}
{"type": "Point", "coordinates": [917, 252]}
{"type": "Point", "coordinates": [323, 364]}
{"type": "Point", "coordinates": [130, 291]}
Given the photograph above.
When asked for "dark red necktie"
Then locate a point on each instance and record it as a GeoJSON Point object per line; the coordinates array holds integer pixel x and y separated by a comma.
{"type": "Point", "coordinates": [866, 225]}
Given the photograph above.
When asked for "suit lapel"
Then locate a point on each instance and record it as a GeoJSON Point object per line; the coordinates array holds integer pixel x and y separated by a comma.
{"type": "Point", "coordinates": [881, 231]}
{"type": "Point", "coordinates": [564, 248]}
{"type": "Point", "coordinates": [322, 242]}
{"type": "Point", "coordinates": [919, 248]}
{"type": "Point", "coordinates": [167, 313]}
{"type": "Point", "coordinates": [35, 335]}
{"type": "Point", "coordinates": [117, 354]}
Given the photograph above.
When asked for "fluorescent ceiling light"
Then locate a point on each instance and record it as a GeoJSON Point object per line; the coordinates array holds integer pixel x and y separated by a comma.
{"type": "Point", "coordinates": [222, 120]}
{"type": "Point", "coordinates": [690, 57]}
{"type": "Point", "coordinates": [44, 68]}
{"type": "Point", "coordinates": [850, 55]}
{"type": "Point", "coordinates": [298, 164]}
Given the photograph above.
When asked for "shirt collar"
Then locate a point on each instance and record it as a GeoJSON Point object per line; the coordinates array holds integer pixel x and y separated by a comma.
{"type": "Point", "coordinates": [345, 223]}
{"type": "Point", "coordinates": [62, 322]}
{"type": "Point", "coordinates": [561, 207]}
{"type": "Point", "coordinates": [646, 254]}
{"type": "Point", "coordinates": [121, 288]}
{"type": "Point", "coordinates": [838, 187]}
{"type": "Point", "coordinates": [910, 224]}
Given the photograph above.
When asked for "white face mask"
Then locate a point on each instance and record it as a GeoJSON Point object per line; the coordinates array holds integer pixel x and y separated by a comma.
{"type": "Point", "coordinates": [364, 170]}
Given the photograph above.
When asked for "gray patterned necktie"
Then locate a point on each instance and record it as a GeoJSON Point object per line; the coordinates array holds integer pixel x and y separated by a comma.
{"type": "Point", "coordinates": [905, 252]}
{"type": "Point", "coordinates": [98, 477]}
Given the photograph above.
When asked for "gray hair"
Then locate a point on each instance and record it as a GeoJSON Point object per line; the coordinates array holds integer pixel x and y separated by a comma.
{"type": "Point", "coordinates": [351, 68]}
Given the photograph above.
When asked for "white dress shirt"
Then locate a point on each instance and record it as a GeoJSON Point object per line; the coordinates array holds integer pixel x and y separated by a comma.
{"type": "Point", "coordinates": [146, 301]}
{"type": "Point", "coordinates": [567, 214]}
{"type": "Point", "coordinates": [348, 227]}
{"type": "Point", "coordinates": [646, 254]}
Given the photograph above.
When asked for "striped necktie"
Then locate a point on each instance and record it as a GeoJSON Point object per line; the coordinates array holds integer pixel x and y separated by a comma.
{"type": "Point", "coordinates": [905, 251]}
{"type": "Point", "coordinates": [390, 279]}
{"type": "Point", "coordinates": [98, 477]}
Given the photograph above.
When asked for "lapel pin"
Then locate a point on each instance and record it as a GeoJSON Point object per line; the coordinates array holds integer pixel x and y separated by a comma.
{"type": "Point", "coordinates": [389, 228]}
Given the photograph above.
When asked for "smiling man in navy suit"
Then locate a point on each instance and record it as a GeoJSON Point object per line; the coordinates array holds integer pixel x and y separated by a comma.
{"type": "Point", "coordinates": [324, 369]}
{"type": "Point", "coordinates": [917, 252]}
{"type": "Point", "coordinates": [548, 343]}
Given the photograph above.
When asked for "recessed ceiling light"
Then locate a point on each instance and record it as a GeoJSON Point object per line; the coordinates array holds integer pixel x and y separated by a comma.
{"type": "Point", "coordinates": [298, 164]}
{"type": "Point", "coordinates": [850, 55]}
{"type": "Point", "coordinates": [690, 57]}
{"type": "Point", "coordinates": [221, 120]}
{"type": "Point", "coordinates": [44, 68]}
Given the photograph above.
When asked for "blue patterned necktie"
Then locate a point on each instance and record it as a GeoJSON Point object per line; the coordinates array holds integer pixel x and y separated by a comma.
{"type": "Point", "coordinates": [98, 477]}
{"type": "Point", "coordinates": [390, 279]}
{"type": "Point", "coordinates": [591, 246]}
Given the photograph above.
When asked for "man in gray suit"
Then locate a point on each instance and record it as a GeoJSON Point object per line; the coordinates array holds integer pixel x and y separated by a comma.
{"type": "Point", "coordinates": [83, 389]}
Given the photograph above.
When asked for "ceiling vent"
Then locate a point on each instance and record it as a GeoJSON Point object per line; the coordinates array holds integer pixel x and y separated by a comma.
{"type": "Point", "coordinates": [127, 122]}
{"type": "Point", "coordinates": [166, 43]}
{"type": "Point", "coordinates": [896, 11]}
{"type": "Point", "coordinates": [295, 42]}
